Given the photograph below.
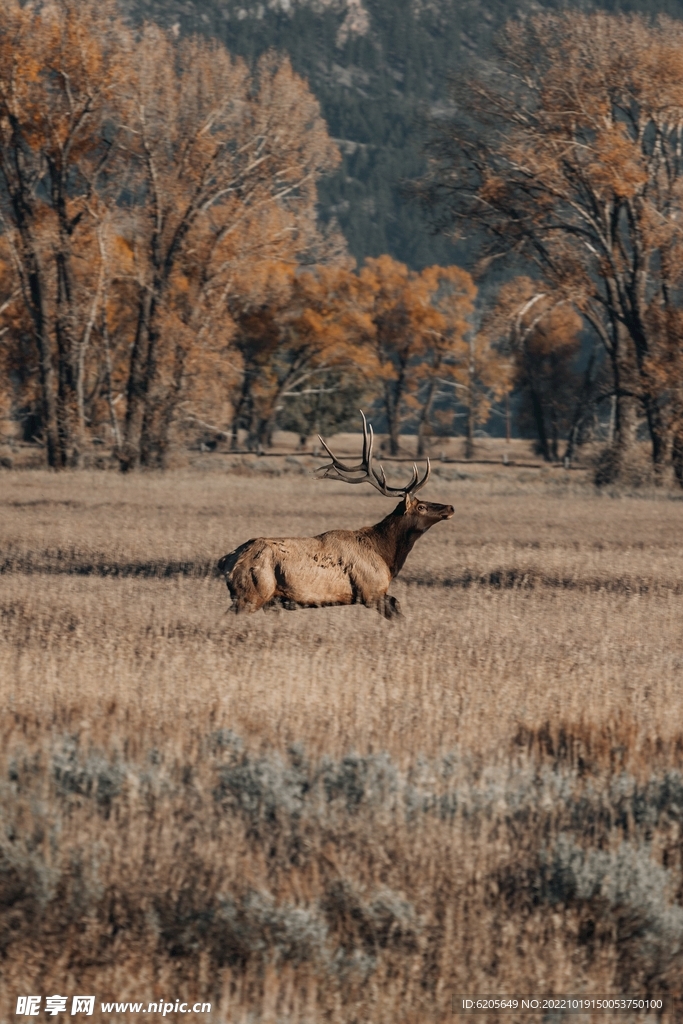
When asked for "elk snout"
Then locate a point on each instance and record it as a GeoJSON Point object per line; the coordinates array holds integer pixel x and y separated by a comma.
{"type": "Point", "coordinates": [448, 511]}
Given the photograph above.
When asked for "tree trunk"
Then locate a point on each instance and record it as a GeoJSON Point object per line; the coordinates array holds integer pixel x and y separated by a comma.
{"type": "Point", "coordinates": [657, 431]}
{"type": "Point", "coordinates": [582, 404]}
{"type": "Point", "coordinates": [677, 455]}
{"type": "Point", "coordinates": [265, 432]}
{"type": "Point", "coordinates": [391, 409]}
{"type": "Point", "coordinates": [471, 402]}
{"type": "Point", "coordinates": [469, 431]}
{"type": "Point", "coordinates": [623, 422]}
{"type": "Point", "coordinates": [625, 425]}
{"type": "Point", "coordinates": [554, 430]}
{"type": "Point", "coordinates": [150, 433]}
{"type": "Point", "coordinates": [393, 397]}
{"type": "Point", "coordinates": [234, 433]}
{"type": "Point", "coordinates": [65, 319]}
{"type": "Point", "coordinates": [424, 419]}
{"type": "Point", "coordinates": [162, 431]}
{"type": "Point", "coordinates": [48, 405]}
{"type": "Point", "coordinates": [238, 410]}
{"type": "Point", "coordinates": [613, 464]}
{"type": "Point", "coordinates": [253, 427]}
{"type": "Point", "coordinates": [394, 433]}
{"type": "Point", "coordinates": [113, 419]}
{"type": "Point", "coordinates": [80, 433]}
{"type": "Point", "coordinates": [32, 279]}
{"type": "Point", "coordinates": [270, 422]}
{"type": "Point", "coordinates": [129, 455]}
{"type": "Point", "coordinates": [539, 420]}
{"type": "Point", "coordinates": [82, 348]}
{"type": "Point", "coordinates": [65, 378]}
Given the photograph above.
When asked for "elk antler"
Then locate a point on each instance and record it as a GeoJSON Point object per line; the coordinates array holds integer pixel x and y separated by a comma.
{"type": "Point", "coordinates": [349, 474]}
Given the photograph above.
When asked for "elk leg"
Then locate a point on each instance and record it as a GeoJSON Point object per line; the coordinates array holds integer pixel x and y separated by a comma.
{"type": "Point", "coordinates": [252, 580]}
{"type": "Point", "coordinates": [243, 602]}
{"type": "Point", "coordinates": [389, 607]}
{"type": "Point", "coordinates": [240, 606]}
{"type": "Point", "coordinates": [279, 603]}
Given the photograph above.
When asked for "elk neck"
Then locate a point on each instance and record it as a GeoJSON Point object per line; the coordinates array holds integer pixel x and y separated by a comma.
{"type": "Point", "coordinates": [393, 538]}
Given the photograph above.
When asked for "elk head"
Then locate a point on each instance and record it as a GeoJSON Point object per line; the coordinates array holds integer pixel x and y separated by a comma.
{"type": "Point", "coordinates": [422, 514]}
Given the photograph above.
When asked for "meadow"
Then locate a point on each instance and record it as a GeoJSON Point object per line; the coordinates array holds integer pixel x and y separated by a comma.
{"type": "Point", "coordinates": [321, 815]}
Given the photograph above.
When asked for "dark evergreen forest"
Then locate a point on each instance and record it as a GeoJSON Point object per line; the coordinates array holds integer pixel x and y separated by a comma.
{"type": "Point", "coordinates": [376, 90]}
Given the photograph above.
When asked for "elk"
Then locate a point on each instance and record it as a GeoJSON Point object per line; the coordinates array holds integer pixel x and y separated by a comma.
{"type": "Point", "coordinates": [342, 566]}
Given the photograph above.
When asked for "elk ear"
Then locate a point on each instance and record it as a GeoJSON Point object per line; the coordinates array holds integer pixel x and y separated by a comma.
{"type": "Point", "coordinates": [407, 502]}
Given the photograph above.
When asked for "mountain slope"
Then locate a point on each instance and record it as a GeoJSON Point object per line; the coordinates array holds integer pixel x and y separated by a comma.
{"type": "Point", "coordinates": [377, 67]}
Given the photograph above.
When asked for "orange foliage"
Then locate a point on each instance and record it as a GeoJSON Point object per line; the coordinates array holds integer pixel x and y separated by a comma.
{"type": "Point", "coordinates": [571, 158]}
{"type": "Point", "coordinates": [129, 299]}
{"type": "Point", "coordinates": [162, 249]}
{"type": "Point", "coordinates": [419, 324]}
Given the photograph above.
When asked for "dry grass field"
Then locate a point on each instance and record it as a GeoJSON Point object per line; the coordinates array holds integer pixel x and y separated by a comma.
{"type": "Point", "coordinates": [321, 815]}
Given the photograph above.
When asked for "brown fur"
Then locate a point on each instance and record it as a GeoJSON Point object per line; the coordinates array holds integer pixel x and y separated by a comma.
{"type": "Point", "coordinates": [336, 568]}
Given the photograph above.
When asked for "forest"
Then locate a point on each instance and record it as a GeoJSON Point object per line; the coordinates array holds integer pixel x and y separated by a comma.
{"type": "Point", "coordinates": [166, 271]}
{"type": "Point", "coordinates": [163, 263]}
{"type": "Point", "coordinates": [379, 69]}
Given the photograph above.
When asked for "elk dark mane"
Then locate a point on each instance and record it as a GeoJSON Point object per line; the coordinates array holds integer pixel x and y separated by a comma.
{"type": "Point", "coordinates": [341, 566]}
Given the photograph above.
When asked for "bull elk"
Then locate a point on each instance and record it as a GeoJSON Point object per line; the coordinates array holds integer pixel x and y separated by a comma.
{"type": "Point", "coordinates": [339, 567]}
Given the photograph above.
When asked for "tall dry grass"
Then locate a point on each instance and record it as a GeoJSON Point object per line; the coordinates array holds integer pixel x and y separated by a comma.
{"type": "Point", "coordinates": [320, 815]}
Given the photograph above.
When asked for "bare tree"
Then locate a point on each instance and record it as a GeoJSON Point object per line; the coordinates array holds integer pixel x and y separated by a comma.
{"type": "Point", "coordinates": [542, 334]}
{"type": "Point", "coordinates": [571, 157]}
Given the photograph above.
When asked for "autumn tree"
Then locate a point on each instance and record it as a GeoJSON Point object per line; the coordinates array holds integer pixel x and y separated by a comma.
{"type": "Point", "coordinates": [401, 315]}
{"type": "Point", "coordinates": [448, 343]}
{"type": "Point", "coordinates": [542, 335]}
{"type": "Point", "coordinates": [297, 331]}
{"type": "Point", "coordinates": [481, 378]}
{"type": "Point", "coordinates": [257, 308]}
{"type": "Point", "coordinates": [171, 149]}
{"type": "Point", "coordinates": [216, 147]}
{"type": "Point", "coordinates": [570, 156]}
{"type": "Point", "coordinates": [329, 404]}
{"type": "Point", "coordinates": [324, 328]}
{"type": "Point", "coordinates": [421, 338]}
{"type": "Point", "coordinates": [60, 66]}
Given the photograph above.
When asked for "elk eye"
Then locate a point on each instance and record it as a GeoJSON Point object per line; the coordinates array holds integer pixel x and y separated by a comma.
{"type": "Point", "coordinates": [421, 508]}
